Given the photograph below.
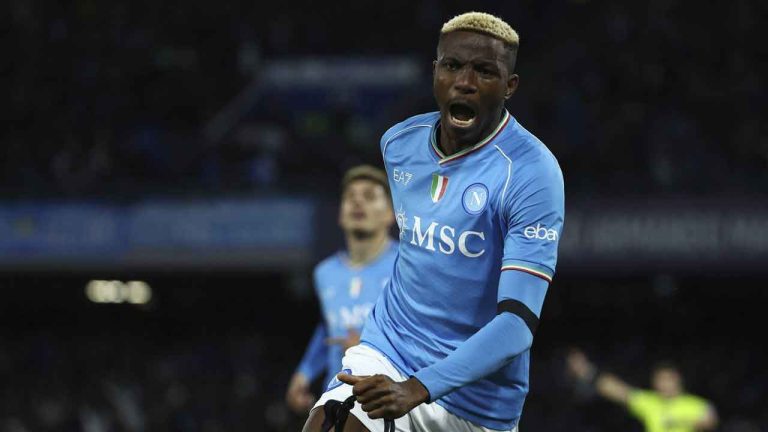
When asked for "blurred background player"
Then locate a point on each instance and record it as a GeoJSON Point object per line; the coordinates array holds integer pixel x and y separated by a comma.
{"type": "Point", "coordinates": [666, 408]}
{"type": "Point", "coordinates": [348, 282]}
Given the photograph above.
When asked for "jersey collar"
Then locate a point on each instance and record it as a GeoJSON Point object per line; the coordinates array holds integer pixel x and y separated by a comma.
{"type": "Point", "coordinates": [443, 159]}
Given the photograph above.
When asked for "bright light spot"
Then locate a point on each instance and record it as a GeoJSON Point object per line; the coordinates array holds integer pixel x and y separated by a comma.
{"type": "Point", "coordinates": [139, 292]}
{"type": "Point", "coordinates": [115, 291]}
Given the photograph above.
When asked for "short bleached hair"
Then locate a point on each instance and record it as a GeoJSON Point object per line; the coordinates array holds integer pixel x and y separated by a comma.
{"type": "Point", "coordinates": [485, 23]}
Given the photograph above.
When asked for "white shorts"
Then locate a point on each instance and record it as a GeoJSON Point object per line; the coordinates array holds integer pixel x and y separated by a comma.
{"type": "Point", "coordinates": [364, 360]}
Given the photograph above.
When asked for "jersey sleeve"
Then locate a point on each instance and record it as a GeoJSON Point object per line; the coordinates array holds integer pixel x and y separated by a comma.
{"type": "Point", "coordinates": [315, 356]}
{"type": "Point", "coordinates": [534, 208]}
{"type": "Point", "coordinates": [314, 360]}
{"type": "Point", "coordinates": [410, 124]}
{"type": "Point", "coordinates": [696, 408]}
{"type": "Point", "coordinates": [640, 403]}
{"type": "Point", "coordinates": [505, 337]}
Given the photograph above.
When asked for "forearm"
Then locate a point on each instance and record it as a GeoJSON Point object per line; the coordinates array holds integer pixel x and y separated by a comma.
{"type": "Point", "coordinates": [708, 422]}
{"type": "Point", "coordinates": [493, 346]}
{"type": "Point", "coordinates": [313, 362]}
{"type": "Point", "coordinates": [612, 388]}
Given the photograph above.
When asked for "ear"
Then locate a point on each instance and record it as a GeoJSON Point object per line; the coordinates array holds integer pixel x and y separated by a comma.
{"type": "Point", "coordinates": [512, 83]}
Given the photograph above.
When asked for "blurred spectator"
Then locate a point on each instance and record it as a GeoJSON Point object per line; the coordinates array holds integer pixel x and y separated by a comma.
{"type": "Point", "coordinates": [112, 98]}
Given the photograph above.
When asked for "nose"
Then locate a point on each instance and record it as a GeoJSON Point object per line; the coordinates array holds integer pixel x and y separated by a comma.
{"type": "Point", "coordinates": [466, 81]}
{"type": "Point", "coordinates": [356, 200]}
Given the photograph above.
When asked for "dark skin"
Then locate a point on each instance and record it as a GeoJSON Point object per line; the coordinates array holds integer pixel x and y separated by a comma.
{"type": "Point", "coordinates": [472, 70]}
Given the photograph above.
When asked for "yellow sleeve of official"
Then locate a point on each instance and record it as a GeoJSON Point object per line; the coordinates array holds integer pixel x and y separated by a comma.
{"type": "Point", "coordinates": [641, 402]}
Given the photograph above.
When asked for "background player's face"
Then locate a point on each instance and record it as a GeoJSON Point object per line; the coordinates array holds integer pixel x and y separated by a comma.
{"type": "Point", "coordinates": [471, 82]}
{"type": "Point", "coordinates": [365, 208]}
{"type": "Point", "coordinates": [667, 382]}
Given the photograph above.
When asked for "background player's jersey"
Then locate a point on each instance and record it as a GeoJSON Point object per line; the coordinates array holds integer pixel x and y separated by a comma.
{"type": "Point", "coordinates": [347, 295]}
{"type": "Point", "coordinates": [678, 414]}
{"type": "Point", "coordinates": [462, 219]}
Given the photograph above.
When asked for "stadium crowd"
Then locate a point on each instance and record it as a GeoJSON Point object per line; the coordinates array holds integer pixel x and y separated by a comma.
{"type": "Point", "coordinates": [197, 361]}
{"type": "Point", "coordinates": [112, 99]}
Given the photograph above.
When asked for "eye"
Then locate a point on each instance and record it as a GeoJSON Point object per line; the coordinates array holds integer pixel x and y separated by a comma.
{"type": "Point", "coordinates": [451, 65]}
{"type": "Point", "coordinates": [486, 72]}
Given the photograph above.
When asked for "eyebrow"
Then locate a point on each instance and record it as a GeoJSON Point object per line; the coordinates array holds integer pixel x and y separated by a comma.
{"type": "Point", "coordinates": [476, 62]}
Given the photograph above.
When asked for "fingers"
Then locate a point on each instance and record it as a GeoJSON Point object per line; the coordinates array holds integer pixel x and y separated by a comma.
{"type": "Point", "coordinates": [372, 394]}
{"type": "Point", "coordinates": [349, 379]}
{"type": "Point", "coordinates": [377, 403]}
{"type": "Point", "coordinates": [378, 413]}
{"type": "Point", "coordinates": [386, 412]}
{"type": "Point", "coordinates": [369, 383]}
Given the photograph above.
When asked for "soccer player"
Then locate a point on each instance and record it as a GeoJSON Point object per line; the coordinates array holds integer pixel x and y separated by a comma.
{"type": "Point", "coordinates": [348, 282]}
{"type": "Point", "coordinates": [666, 408]}
{"type": "Point", "coordinates": [479, 203]}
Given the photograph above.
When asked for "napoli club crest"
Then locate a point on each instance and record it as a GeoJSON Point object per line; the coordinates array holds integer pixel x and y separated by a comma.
{"type": "Point", "coordinates": [475, 198]}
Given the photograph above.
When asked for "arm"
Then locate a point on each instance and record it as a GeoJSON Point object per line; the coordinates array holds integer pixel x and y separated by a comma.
{"type": "Point", "coordinates": [613, 388]}
{"type": "Point", "coordinates": [532, 210]}
{"type": "Point", "coordinates": [314, 358]}
{"type": "Point", "coordinates": [298, 397]}
{"type": "Point", "coordinates": [607, 385]}
{"type": "Point", "coordinates": [708, 421]}
{"type": "Point", "coordinates": [478, 356]}
{"type": "Point", "coordinates": [506, 336]}
{"type": "Point", "coordinates": [351, 339]}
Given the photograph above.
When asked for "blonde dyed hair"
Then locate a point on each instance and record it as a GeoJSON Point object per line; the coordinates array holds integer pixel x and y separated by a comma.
{"type": "Point", "coordinates": [483, 23]}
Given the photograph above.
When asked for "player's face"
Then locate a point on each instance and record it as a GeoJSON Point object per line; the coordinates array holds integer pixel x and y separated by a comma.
{"type": "Point", "coordinates": [667, 382]}
{"type": "Point", "coordinates": [365, 208]}
{"type": "Point", "coordinates": [471, 82]}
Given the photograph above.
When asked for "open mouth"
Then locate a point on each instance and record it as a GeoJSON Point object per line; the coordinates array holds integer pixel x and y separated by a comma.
{"type": "Point", "coordinates": [461, 114]}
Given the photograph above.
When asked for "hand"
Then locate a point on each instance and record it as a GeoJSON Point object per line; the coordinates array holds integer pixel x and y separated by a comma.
{"type": "Point", "coordinates": [298, 397]}
{"type": "Point", "coordinates": [381, 397]}
{"type": "Point", "coordinates": [579, 366]}
{"type": "Point", "coordinates": [352, 339]}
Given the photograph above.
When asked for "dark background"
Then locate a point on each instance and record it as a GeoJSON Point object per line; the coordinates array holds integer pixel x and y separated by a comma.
{"type": "Point", "coordinates": [655, 111]}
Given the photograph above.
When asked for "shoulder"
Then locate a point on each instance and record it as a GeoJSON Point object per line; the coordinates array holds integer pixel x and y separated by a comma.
{"type": "Point", "coordinates": [528, 155]}
{"type": "Point", "coordinates": [330, 265]}
{"type": "Point", "coordinates": [406, 127]}
{"type": "Point", "coordinates": [694, 401]}
{"type": "Point", "coordinates": [533, 171]}
{"type": "Point", "coordinates": [642, 398]}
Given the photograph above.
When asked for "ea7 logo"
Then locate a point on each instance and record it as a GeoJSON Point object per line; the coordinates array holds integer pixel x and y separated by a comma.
{"type": "Point", "coordinates": [400, 176]}
{"type": "Point", "coordinates": [539, 232]}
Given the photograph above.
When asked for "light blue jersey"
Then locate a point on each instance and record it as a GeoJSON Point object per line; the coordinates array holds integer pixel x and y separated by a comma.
{"type": "Point", "coordinates": [347, 294]}
{"type": "Point", "coordinates": [464, 220]}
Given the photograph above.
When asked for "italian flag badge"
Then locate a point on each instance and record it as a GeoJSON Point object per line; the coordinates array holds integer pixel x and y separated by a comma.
{"type": "Point", "coordinates": [439, 185]}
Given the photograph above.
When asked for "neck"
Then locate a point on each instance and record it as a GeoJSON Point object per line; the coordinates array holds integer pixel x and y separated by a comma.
{"type": "Point", "coordinates": [452, 143]}
{"type": "Point", "coordinates": [364, 249]}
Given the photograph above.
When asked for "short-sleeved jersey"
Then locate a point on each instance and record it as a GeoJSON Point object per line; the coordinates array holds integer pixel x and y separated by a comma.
{"type": "Point", "coordinates": [347, 294]}
{"type": "Point", "coordinates": [463, 219]}
{"type": "Point", "coordinates": [678, 414]}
